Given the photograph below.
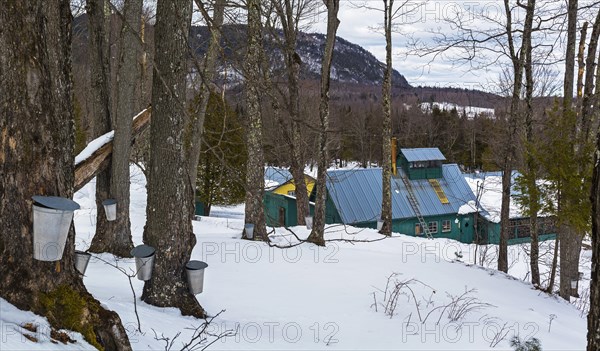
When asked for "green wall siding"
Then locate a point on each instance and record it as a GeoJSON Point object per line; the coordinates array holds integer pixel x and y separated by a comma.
{"type": "Point", "coordinates": [462, 231]}
{"type": "Point", "coordinates": [419, 173]}
{"type": "Point", "coordinates": [274, 202]}
{"type": "Point", "coordinates": [494, 235]}
{"type": "Point", "coordinates": [198, 208]}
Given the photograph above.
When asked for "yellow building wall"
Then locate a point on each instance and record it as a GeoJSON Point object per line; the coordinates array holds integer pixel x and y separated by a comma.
{"type": "Point", "coordinates": [289, 186]}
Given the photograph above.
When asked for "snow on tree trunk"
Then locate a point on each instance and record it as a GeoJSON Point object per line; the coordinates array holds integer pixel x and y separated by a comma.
{"type": "Point", "coordinates": [254, 212]}
{"type": "Point", "coordinates": [36, 158]}
{"type": "Point", "coordinates": [317, 234]}
{"type": "Point", "coordinates": [170, 206]}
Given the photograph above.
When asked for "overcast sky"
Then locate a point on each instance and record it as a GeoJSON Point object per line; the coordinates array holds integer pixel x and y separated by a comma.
{"type": "Point", "coordinates": [422, 17]}
{"type": "Point", "coordinates": [356, 25]}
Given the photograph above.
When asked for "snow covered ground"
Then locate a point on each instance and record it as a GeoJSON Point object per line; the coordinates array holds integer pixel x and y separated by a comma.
{"type": "Point", "coordinates": [470, 111]}
{"type": "Point", "coordinates": [335, 297]}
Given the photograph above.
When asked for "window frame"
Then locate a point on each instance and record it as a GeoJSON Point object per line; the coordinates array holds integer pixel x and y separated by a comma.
{"type": "Point", "coordinates": [436, 227]}
{"type": "Point", "coordinates": [449, 229]}
{"type": "Point", "coordinates": [419, 229]}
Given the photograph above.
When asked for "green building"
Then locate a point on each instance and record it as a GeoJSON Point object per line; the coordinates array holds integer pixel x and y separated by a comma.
{"type": "Point", "coordinates": [429, 198]}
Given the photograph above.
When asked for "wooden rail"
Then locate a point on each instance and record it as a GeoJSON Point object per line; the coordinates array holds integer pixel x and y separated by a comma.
{"type": "Point", "coordinates": [87, 169]}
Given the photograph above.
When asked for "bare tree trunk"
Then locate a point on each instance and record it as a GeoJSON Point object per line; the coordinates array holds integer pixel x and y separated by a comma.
{"type": "Point", "coordinates": [532, 188]}
{"type": "Point", "coordinates": [99, 108]}
{"type": "Point", "coordinates": [116, 238]}
{"type": "Point", "coordinates": [170, 193]}
{"type": "Point", "coordinates": [317, 234]}
{"type": "Point", "coordinates": [593, 335]}
{"type": "Point", "coordinates": [255, 179]}
{"type": "Point", "coordinates": [553, 268]}
{"type": "Point", "coordinates": [510, 150]}
{"type": "Point", "coordinates": [569, 236]}
{"type": "Point", "coordinates": [386, 152]}
{"type": "Point", "coordinates": [208, 72]}
{"type": "Point", "coordinates": [36, 158]}
{"type": "Point", "coordinates": [289, 20]}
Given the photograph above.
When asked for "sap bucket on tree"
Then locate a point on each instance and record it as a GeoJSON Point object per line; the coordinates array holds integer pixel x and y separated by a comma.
{"type": "Point", "coordinates": [195, 276]}
{"type": "Point", "coordinates": [309, 222]}
{"type": "Point", "coordinates": [52, 217]}
{"type": "Point", "coordinates": [110, 209]}
{"type": "Point", "coordinates": [81, 261]}
{"type": "Point", "coordinates": [249, 229]}
{"type": "Point", "coordinates": [379, 224]}
{"type": "Point", "coordinates": [144, 261]}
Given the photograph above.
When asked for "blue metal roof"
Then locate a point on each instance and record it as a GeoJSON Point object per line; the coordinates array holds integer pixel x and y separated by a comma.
{"type": "Point", "coordinates": [357, 194]}
{"type": "Point", "coordinates": [276, 174]}
{"type": "Point", "coordinates": [423, 154]}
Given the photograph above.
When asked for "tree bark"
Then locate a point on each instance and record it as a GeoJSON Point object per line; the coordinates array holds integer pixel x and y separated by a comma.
{"type": "Point", "coordinates": [533, 193]}
{"type": "Point", "coordinates": [593, 335]}
{"type": "Point", "coordinates": [255, 180]}
{"type": "Point", "coordinates": [36, 158]}
{"type": "Point", "coordinates": [116, 237]}
{"type": "Point", "coordinates": [570, 238]}
{"type": "Point", "coordinates": [318, 231]}
{"type": "Point", "coordinates": [208, 72]}
{"type": "Point", "coordinates": [510, 150]}
{"type": "Point", "coordinates": [386, 202]}
{"type": "Point", "coordinates": [289, 22]}
{"type": "Point", "coordinates": [99, 107]}
{"type": "Point", "coordinates": [170, 206]}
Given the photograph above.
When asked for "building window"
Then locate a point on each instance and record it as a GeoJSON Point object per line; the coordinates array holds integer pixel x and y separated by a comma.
{"type": "Point", "coordinates": [418, 229]}
{"type": "Point", "coordinates": [433, 227]}
{"type": "Point", "coordinates": [291, 192]}
{"type": "Point", "coordinates": [446, 226]}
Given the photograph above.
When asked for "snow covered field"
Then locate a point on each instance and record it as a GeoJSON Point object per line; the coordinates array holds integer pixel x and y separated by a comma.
{"type": "Point", "coordinates": [335, 297]}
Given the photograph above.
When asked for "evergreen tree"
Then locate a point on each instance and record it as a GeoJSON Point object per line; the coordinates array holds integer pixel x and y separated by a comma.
{"type": "Point", "coordinates": [222, 166]}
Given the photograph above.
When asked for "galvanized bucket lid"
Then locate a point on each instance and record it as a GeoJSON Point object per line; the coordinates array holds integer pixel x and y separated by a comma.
{"type": "Point", "coordinates": [196, 265]}
{"type": "Point", "coordinates": [142, 251]}
{"type": "Point", "coordinates": [108, 202]}
{"type": "Point", "coordinates": [56, 203]}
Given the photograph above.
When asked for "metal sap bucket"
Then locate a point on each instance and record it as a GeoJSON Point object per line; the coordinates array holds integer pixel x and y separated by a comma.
{"type": "Point", "coordinates": [309, 222]}
{"type": "Point", "coordinates": [110, 209]}
{"type": "Point", "coordinates": [52, 218]}
{"type": "Point", "coordinates": [379, 224]}
{"type": "Point", "coordinates": [144, 261]}
{"type": "Point", "coordinates": [81, 261]}
{"type": "Point", "coordinates": [249, 229]}
{"type": "Point", "coordinates": [195, 276]}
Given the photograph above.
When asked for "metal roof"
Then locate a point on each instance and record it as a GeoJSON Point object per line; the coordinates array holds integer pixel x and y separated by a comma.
{"type": "Point", "coordinates": [357, 194]}
{"type": "Point", "coordinates": [276, 174]}
{"type": "Point", "coordinates": [423, 154]}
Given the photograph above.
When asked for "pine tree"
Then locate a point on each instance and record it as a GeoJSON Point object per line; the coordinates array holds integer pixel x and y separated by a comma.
{"type": "Point", "coordinates": [222, 166]}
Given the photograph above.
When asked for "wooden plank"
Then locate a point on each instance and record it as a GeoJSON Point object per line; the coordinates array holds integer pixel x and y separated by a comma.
{"type": "Point", "coordinates": [86, 170]}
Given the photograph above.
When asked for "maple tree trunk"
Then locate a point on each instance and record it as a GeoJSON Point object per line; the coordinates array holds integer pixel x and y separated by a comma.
{"type": "Point", "coordinates": [116, 237]}
{"type": "Point", "coordinates": [318, 231]}
{"type": "Point", "coordinates": [170, 206]}
{"type": "Point", "coordinates": [570, 238]}
{"type": "Point", "coordinates": [208, 72]}
{"type": "Point", "coordinates": [36, 158]}
{"type": "Point", "coordinates": [510, 142]}
{"type": "Point", "coordinates": [386, 152]}
{"type": "Point", "coordinates": [593, 335]}
{"type": "Point", "coordinates": [255, 180]}
{"type": "Point", "coordinates": [100, 110]}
